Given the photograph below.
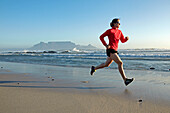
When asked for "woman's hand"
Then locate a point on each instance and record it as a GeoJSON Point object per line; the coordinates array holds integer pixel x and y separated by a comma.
{"type": "Point", "coordinates": [127, 38]}
{"type": "Point", "coordinates": [107, 46]}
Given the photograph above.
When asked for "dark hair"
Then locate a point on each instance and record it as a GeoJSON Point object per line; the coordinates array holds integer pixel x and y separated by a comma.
{"type": "Point", "coordinates": [114, 21]}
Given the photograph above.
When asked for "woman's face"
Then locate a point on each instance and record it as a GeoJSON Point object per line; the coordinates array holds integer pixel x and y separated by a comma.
{"type": "Point", "coordinates": [117, 24]}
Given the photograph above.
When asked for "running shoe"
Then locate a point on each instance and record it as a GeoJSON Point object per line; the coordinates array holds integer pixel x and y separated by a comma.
{"type": "Point", "coordinates": [92, 70]}
{"type": "Point", "coordinates": [128, 81]}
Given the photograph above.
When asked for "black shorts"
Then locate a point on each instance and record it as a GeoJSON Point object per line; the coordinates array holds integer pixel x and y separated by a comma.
{"type": "Point", "coordinates": [108, 51]}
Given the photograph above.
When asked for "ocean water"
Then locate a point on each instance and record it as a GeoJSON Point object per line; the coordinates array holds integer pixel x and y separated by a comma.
{"type": "Point", "coordinates": [133, 59]}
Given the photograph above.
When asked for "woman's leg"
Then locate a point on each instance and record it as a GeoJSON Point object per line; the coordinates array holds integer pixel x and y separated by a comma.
{"type": "Point", "coordinates": [106, 64]}
{"type": "Point", "coordinates": [116, 58]}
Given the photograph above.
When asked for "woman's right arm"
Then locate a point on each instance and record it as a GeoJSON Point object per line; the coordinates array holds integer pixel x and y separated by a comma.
{"type": "Point", "coordinates": [102, 38]}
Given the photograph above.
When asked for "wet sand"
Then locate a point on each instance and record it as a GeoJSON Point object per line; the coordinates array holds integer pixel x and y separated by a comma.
{"type": "Point", "coordinates": [75, 91]}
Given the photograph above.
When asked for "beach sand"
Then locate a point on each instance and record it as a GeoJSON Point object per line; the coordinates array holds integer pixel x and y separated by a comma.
{"type": "Point", "coordinates": [75, 91]}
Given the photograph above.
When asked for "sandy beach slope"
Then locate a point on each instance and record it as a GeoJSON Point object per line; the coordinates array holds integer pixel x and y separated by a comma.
{"type": "Point", "coordinates": [29, 93]}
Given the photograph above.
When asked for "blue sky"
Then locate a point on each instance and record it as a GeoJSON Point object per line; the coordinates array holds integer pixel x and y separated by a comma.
{"type": "Point", "coordinates": [24, 23]}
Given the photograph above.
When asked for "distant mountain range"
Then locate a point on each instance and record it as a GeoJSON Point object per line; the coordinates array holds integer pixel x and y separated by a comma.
{"type": "Point", "coordinates": [64, 45]}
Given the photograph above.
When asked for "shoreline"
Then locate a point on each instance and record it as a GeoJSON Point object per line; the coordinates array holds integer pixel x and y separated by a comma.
{"type": "Point", "coordinates": [149, 69]}
{"type": "Point", "coordinates": [76, 91]}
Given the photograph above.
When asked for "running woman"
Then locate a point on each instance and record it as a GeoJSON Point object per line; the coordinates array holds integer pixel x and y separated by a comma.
{"type": "Point", "coordinates": [114, 35]}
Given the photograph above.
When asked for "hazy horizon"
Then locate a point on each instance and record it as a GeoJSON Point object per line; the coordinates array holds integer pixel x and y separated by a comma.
{"type": "Point", "coordinates": [25, 48]}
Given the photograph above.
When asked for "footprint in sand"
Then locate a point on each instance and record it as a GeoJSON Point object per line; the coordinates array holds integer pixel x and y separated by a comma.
{"type": "Point", "coordinates": [84, 81]}
{"type": "Point", "coordinates": [140, 100]}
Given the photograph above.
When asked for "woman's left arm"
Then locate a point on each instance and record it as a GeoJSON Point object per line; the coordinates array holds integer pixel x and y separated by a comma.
{"type": "Point", "coordinates": [123, 39]}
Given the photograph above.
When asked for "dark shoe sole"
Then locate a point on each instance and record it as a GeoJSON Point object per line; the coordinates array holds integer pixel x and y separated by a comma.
{"type": "Point", "coordinates": [92, 70]}
{"type": "Point", "coordinates": [130, 81]}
